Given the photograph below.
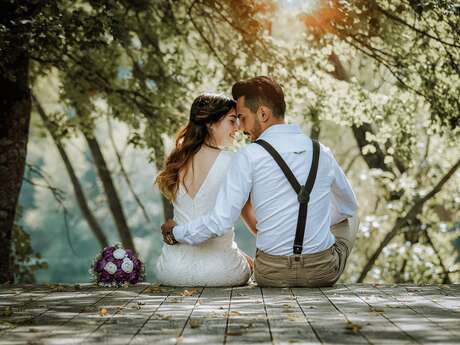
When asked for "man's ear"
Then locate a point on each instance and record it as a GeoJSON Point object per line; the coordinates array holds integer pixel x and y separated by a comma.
{"type": "Point", "coordinates": [263, 113]}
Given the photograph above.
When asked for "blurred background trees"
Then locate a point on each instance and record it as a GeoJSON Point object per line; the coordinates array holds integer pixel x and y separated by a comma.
{"type": "Point", "coordinates": [108, 83]}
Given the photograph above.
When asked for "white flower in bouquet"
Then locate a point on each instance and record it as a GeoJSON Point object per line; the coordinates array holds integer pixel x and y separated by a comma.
{"type": "Point", "coordinates": [119, 253]}
{"type": "Point", "coordinates": [110, 267]}
{"type": "Point", "coordinates": [127, 266]}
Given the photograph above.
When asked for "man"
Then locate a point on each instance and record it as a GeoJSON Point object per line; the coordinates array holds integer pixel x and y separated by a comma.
{"type": "Point", "coordinates": [296, 245]}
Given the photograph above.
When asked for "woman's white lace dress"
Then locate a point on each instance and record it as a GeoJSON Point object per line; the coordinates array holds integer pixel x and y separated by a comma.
{"type": "Point", "coordinates": [215, 262]}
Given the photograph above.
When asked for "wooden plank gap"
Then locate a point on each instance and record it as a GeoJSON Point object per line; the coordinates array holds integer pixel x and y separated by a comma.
{"type": "Point", "coordinates": [266, 316]}
{"type": "Point", "coordinates": [306, 317]}
{"type": "Point", "coordinates": [228, 315]}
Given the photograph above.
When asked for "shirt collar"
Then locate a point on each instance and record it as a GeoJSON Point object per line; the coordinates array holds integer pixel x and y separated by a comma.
{"type": "Point", "coordinates": [281, 128]}
{"type": "Point", "coordinates": [287, 138]}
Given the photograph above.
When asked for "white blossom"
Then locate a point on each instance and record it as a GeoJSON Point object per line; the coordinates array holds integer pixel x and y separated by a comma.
{"type": "Point", "coordinates": [110, 267]}
{"type": "Point", "coordinates": [119, 253]}
{"type": "Point", "coordinates": [127, 266]}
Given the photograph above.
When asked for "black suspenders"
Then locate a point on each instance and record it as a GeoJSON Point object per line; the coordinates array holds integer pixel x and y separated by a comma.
{"type": "Point", "coordinates": [303, 192]}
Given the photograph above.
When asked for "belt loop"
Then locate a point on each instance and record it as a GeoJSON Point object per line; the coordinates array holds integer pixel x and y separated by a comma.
{"type": "Point", "coordinates": [289, 261]}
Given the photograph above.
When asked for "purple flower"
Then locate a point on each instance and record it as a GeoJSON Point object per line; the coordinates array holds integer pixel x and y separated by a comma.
{"type": "Point", "coordinates": [120, 276]}
{"type": "Point", "coordinates": [108, 251]}
{"type": "Point", "coordinates": [133, 277]}
{"type": "Point", "coordinates": [106, 277]}
{"type": "Point", "coordinates": [100, 264]}
{"type": "Point", "coordinates": [117, 262]}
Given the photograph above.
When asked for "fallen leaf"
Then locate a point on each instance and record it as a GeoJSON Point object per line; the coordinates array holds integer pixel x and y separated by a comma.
{"type": "Point", "coordinates": [376, 310]}
{"type": "Point", "coordinates": [190, 292]}
{"type": "Point", "coordinates": [287, 310]}
{"type": "Point", "coordinates": [294, 317]}
{"type": "Point", "coordinates": [413, 290]}
{"type": "Point", "coordinates": [195, 323]}
{"type": "Point", "coordinates": [232, 313]}
{"type": "Point", "coordinates": [353, 327]}
{"type": "Point", "coordinates": [7, 311]}
{"type": "Point", "coordinates": [155, 288]}
{"type": "Point", "coordinates": [103, 312]}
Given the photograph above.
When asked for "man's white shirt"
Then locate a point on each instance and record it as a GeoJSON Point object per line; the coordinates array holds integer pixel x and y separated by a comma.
{"type": "Point", "coordinates": [254, 173]}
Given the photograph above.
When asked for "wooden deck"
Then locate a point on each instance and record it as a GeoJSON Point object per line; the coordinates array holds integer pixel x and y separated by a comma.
{"type": "Point", "coordinates": [149, 314]}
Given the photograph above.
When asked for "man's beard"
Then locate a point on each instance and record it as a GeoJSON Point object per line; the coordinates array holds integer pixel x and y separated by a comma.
{"type": "Point", "coordinates": [256, 131]}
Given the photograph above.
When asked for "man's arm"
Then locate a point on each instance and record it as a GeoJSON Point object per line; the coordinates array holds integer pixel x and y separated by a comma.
{"type": "Point", "coordinates": [344, 203]}
{"type": "Point", "coordinates": [231, 198]}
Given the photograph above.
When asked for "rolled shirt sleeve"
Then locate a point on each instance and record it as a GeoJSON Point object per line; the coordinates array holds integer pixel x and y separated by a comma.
{"type": "Point", "coordinates": [232, 196]}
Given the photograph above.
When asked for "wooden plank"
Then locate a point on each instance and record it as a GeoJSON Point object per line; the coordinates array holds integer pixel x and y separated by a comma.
{"type": "Point", "coordinates": [328, 322]}
{"type": "Point", "coordinates": [168, 323]}
{"type": "Point", "coordinates": [373, 324]}
{"type": "Point", "coordinates": [287, 322]}
{"type": "Point", "coordinates": [208, 321]}
{"type": "Point", "coordinates": [450, 289]}
{"type": "Point", "coordinates": [95, 329]}
{"type": "Point", "coordinates": [419, 329]}
{"type": "Point", "coordinates": [424, 307]}
{"type": "Point", "coordinates": [441, 296]}
{"type": "Point", "coordinates": [30, 304]}
{"type": "Point", "coordinates": [62, 308]}
{"type": "Point", "coordinates": [247, 317]}
{"type": "Point", "coordinates": [128, 320]}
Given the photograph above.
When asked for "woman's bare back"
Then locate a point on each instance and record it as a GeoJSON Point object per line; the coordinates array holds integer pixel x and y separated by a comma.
{"type": "Point", "coordinates": [194, 175]}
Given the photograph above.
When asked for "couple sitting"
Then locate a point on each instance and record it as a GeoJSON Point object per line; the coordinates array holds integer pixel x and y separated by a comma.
{"type": "Point", "coordinates": [288, 189]}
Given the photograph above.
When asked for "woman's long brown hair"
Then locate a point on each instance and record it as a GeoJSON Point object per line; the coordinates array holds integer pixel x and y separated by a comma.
{"type": "Point", "coordinates": [206, 109]}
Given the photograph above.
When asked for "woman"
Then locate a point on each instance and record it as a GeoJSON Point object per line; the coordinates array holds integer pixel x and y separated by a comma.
{"type": "Point", "coordinates": [191, 179]}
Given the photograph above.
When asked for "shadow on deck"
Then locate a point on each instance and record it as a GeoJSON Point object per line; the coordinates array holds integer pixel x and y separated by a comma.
{"type": "Point", "coordinates": [151, 314]}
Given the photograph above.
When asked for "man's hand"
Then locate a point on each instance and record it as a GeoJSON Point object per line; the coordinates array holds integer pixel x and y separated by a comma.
{"type": "Point", "coordinates": [166, 230]}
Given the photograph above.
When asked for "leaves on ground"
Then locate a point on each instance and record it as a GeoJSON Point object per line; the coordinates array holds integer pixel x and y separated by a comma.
{"type": "Point", "coordinates": [190, 292]}
{"type": "Point", "coordinates": [353, 327]}
{"type": "Point", "coordinates": [103, 312]}
{"type": "Point", "coordinates": [293, 317]}
{"type": "Point", "coordinates": [7, 311]}
{"type": "Point", "coordinates": [232, 313]}
{"type": "Point", "coordinates": [195, 323]}
{"type": "Point", "coordinates": [234, 332]}
{"type": "Point", "coordinates": [376, 310]}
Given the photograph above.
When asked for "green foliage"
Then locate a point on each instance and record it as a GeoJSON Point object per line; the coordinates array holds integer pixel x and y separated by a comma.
{"type": "Point", "coordinates": [386, 68]}
{"type": "Point", "coordinates": [25, 261]}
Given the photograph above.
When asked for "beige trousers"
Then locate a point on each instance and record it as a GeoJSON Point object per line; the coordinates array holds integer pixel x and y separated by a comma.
{"type": "Point", "coordinates": [308, 270]}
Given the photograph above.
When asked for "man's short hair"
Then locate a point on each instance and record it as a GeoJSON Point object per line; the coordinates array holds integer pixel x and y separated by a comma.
{"type": "Point", "coordinates": [260, 91]}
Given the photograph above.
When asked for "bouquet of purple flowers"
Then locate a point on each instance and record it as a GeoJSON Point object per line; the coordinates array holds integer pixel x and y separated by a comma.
{"type": "Point", "coordinates": [116, 266]}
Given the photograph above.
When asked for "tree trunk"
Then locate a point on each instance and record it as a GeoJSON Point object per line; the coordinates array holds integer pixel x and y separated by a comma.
{"type": "Point", "coordinates": [15, 107]}
{"type": "Point", "coordinates": [111, 193]}
{"type": "Point", "coordinates": [80, 196]}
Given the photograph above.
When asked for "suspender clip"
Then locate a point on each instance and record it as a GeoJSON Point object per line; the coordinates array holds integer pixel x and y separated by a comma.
{"type": "Point", "coordinates": [303, 195]}
{"type": "Point", "coordinates": [297, 249]}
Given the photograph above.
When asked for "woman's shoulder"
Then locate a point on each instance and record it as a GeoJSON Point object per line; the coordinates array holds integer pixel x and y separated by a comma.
{"type": "Point", "coordinates": [227, 154]}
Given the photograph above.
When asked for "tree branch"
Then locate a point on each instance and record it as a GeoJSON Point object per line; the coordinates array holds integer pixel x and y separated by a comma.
{"type": "Point", "coordinates": [414, 211]}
